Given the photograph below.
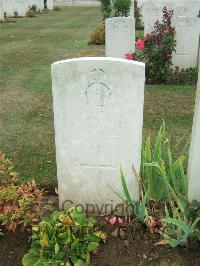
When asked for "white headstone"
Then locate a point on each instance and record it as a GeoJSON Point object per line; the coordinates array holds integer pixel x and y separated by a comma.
{"type": "Point", "coordinates": [152, 10]}
{"type": "Point", "coordinates": [1, 11]}
{"type": "Point", "coordinates": [120, 36]}
{"type": "Point", "coordinates": [22, 7]}
{"type": "Point", "coordinates": [50, 4]}
{"type": "Point", "coordinates": [40, 5]}
{"type": "Point", "coordinates": [194, 157]}
{"type": "Point", "coordinates": [98, 117]}
{"type": "Point", "coordinates": [14, 4]}
{"type": "Point", "coordinates": [187, 41]}
{"type": "Point", "coordinates": [8, 8]}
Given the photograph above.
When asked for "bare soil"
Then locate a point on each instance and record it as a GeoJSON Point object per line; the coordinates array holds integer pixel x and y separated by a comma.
{"type": "Point", "coordinates": [125, 245]}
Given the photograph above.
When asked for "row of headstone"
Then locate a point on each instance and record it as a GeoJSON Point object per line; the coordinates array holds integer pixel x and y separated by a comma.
{"type": "Point", "coordinates": [152, 10]}
{"type": "Point", "coordinates": [187, 41]}
{"type": "Point", "coordinates": [20, 7]}
{"type": "Point", "coordinates": [186, 21]}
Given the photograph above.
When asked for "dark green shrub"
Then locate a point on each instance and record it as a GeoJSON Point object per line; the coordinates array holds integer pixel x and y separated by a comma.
{"type": "Point", "coordinates": [122, 7]}
{"type": "Point", "coordinates": [106, 8]}
{"type": "Point", "coordinates": [182, 76]}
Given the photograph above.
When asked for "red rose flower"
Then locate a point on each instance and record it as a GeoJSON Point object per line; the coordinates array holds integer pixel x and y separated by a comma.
{"type": "Point", "coordinates": [148, 36]}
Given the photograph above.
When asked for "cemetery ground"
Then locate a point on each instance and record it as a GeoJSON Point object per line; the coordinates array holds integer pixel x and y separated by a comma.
{"type": "Point", "coordinates": [27, 49]}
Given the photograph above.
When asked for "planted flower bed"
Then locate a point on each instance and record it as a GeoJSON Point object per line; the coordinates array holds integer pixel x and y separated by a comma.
{"type": "Point", "coordinates": [162, 228]}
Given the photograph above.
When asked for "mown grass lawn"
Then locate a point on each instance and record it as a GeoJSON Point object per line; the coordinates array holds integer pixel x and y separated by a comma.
{"type": "Point", "coordinates": [27, 49]}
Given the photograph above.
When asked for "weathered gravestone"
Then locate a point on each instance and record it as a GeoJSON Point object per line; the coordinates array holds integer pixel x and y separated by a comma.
{"type": "Point", "coordinates": [41, 5]}
{"type": "Point", "coordinates": [1, 11]}
{"type": "Point", "coordinates": [98, 117]}
{"type": "Point", "coordinates": [194, 158]}
{"type": "Point", "coordinates": [22, 7]}
{"type": "Point", "coordinates": [50, 4]}
{"type": "Point", "coordinates": [120, 36]}
{"type": "Point", "coordinates": [187, 41]}
{"type": "Point", "coordinates": [152, 10]}
{"type": "Point", "coordinates": [14, 4]}
{"type": "Point", "coordinates": [8, 8]}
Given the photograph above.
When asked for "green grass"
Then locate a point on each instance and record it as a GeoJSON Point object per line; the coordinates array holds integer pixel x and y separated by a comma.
{"type": "Point", "coordinates": [27, 49]}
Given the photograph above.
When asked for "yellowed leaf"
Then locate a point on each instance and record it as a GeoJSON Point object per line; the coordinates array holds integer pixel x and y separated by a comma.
{"type": "Point", "coordinates": [100, 234]}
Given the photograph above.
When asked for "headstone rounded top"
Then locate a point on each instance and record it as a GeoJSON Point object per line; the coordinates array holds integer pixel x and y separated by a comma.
{"type": "Point", "coordinates": [120, 18]}
{"type": "Point", "coordinates": [104, 59]}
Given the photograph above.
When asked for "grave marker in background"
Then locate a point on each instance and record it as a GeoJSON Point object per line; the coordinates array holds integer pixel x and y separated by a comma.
{"type": "Point", "coordinates": [1, 11]}
{"type": "Point", "coordinates": [50, 4]}
{"type": "Point", "coordinates": [194, 159]}
{"type": "Point", "coordinates": [120, 36]}
{"type": "Point", "coordinates": [187, 41]}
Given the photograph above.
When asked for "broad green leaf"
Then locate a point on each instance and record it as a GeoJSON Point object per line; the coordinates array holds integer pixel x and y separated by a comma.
{"type": "Point", "coordinates": [157, 149]}
{"type": "Point", "coordinates": [181, 224]}
{"type": "Point", "coordinates": [79, 262]}
{"type": "Point", "coordinates": [125, 189]}
{"type": "Point", "coordinates": [195, 223]}
{"type": "Point", "coordinates": [57, 248]}
{"type": "Point", "coordinates": [78, 215]}
{"type": "Point", "coordinates": [102, 235]}
{"type": "Point", "coordinates": [44, 240]}
{"type": "Point", "coordinates": [92, 246]}
{"type": "Point", "coordinates": [172, 242]}
{"type": "Point", "coordinates": [32, 259]}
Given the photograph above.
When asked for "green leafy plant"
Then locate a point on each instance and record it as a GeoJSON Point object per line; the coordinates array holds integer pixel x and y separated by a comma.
{"type": "Point", "coordinates": [19, 205]}
{"type": "Point", "coordinates": [138, 208]}
{"type": "Point", "coordinates": [183, 76]}
{"type": "Point", "coordinates": [164, 205]}
{"type": "Point", "coordinates": [163, 173]}
{"type": "Point", "coordinates": [122, 7]}
{"type": "Point", "coordinates": [65, 238]}
{"type": "Point", "coordinates": [177, 230]}
{"type": "Point", "coordinates": [106, 8]}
